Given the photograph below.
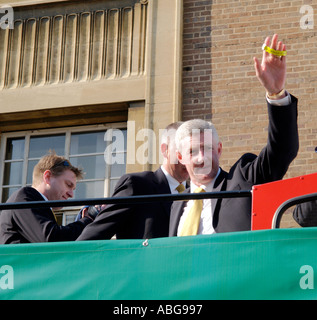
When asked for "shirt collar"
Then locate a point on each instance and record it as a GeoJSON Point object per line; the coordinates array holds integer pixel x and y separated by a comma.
{"type": "Point", "coordinates": [42, 195]}
{"type": "Point", "coordinates": [172, 182]}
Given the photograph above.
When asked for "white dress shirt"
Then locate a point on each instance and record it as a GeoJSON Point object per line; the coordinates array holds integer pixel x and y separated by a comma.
{"type": "Point", "coordinates": [281, 102]}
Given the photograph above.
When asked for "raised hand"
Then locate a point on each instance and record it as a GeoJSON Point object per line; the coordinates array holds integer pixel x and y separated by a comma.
{"type": "Point", "coordinates": [272, 71]}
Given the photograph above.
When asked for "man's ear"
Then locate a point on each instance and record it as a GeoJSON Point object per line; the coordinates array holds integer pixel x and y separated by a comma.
{"type": "Point", "coordinates": [219, 149]}
{"type": "Point", "coordinates": [164, 149]}
{"type": "Point", "coordinates": [179, 157]}
{"type": "Point", "coordinates": [47, 176]}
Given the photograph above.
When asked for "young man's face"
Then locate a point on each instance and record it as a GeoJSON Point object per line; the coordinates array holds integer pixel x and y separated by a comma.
{"type": "Point", "coordinates": [60, 187]}
{"type": "Point", "coordinates": [200, 154]}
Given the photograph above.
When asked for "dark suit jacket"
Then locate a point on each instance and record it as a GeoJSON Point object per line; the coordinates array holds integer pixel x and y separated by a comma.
{"type": "Point", "coordinates": [35, 225]}
{"type": "Point", "coordinates": [134, 221]}
{"type": "Point", "coordinates": [234, 214]}
{"type": "Point", "coordinates": [305, 214]}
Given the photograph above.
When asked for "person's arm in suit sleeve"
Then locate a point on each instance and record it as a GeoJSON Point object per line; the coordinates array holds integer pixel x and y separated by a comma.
{"type": "Point", "coordinates": [283, 143]}
{"type": "Point", "coordinates": [113, 216]}
{"type": "Point", "coordinates": [305, 214]}
{"type": "Point", "coordinates": [39, 224]}
{"type": "Point", "coordinates": [69, 232]}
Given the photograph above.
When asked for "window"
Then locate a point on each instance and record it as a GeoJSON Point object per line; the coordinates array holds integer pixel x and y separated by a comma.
{"type": "Point", "coordinates": [99, 150]}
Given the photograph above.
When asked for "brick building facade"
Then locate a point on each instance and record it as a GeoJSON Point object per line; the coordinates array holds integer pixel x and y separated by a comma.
{"type": "Point", "coordinates": [220, 40]}
{"type": "Point", "coordinates": [197, 60]}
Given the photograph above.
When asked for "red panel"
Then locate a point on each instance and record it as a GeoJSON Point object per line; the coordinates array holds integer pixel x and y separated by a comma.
{"type": "Point", "coordinates": [266, 198]}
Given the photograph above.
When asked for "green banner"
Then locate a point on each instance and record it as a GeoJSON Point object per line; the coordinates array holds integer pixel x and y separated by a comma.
{"type": "Point", "coordinates": [269, 264]}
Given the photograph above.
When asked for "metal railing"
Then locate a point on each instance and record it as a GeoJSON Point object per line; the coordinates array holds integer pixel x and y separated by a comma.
{"type": "Point", "coordinates": [289, 203]}
{"type": "Point", "coordinates": [127, 200]}
{"type": "Point", "coordinates": [160, 198]}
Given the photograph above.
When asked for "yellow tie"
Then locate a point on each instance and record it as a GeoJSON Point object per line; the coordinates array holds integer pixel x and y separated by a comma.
{"type": "Point", "coordinates": [192, 220]}
{"type": "Point", "coordinates": [180, 188]}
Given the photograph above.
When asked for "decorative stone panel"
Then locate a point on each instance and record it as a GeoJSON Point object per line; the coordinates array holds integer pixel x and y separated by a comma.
{"type": "Point", "coordinates": [74, 47]}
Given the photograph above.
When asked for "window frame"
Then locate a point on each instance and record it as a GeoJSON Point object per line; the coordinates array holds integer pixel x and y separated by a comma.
{"type": "Point", "coordinates": [68, 131]}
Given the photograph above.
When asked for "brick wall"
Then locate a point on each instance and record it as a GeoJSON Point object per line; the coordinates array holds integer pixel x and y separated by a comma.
{"type": "Point", "coordinates": [197, 60]}
{"type": "Point", "coordinates": [236, 99]}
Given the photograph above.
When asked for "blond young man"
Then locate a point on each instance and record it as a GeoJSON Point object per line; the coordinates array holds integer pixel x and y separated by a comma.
{"type": "Point", "coordinates": [54, 178]}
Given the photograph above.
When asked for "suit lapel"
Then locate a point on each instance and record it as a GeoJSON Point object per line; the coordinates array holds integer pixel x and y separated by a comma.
{"type": "Point", "coordinates": [219, 185]}
{"type": "Point", "coordinates": [39, 197]}
{"type": "Point", "coordinates": [161, 182]}
{"type": "Point", "coordinates": [162, 188]}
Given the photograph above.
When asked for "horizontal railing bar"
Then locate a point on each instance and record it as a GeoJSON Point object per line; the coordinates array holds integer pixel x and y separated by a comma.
{"type": "Point", "coordinates": [127, 200]}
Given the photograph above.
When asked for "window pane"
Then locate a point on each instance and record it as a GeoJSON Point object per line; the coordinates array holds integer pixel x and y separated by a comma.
{"type": "Point", "coordinates": [39, 146]}
{"type": "Point", "coordinates": [83, 143]}
{"type": "Point", "coordinates": [118, 169]}
{"type": "Point", "coordinates": [70, 218]}
{"type": "Point", "coordinates": [119, 140]}
{"type": "Point", "coordinates": [13, 173]}
{"type": "Point", "coordinates": [7, 192]}
{"type": "Point", "coordinates": [113, 183]}
{"type": "Point", "coordinates": [88, 189]}
{"type": "Point", "coordinates": [15, 149]}
{"type": "Point", "coordinates": [31, 165]}
{"type": "Point", "coordinates": [93, 166]}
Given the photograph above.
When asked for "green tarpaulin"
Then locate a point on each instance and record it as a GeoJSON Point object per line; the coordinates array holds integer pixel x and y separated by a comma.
{"type": "Point", "coordinates": [269, 264]}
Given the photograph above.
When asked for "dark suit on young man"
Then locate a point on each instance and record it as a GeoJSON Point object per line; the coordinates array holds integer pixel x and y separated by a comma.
{"type": "Point", "coordinates": [234, 214]}
{"type": "Point", "coordinates": [35, 224]}
{"type": "Point", "coordinates": [134, 221]}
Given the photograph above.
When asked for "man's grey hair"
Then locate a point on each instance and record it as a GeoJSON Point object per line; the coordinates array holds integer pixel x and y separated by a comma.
{"type": "Point", "coordinates": [188, 128]}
